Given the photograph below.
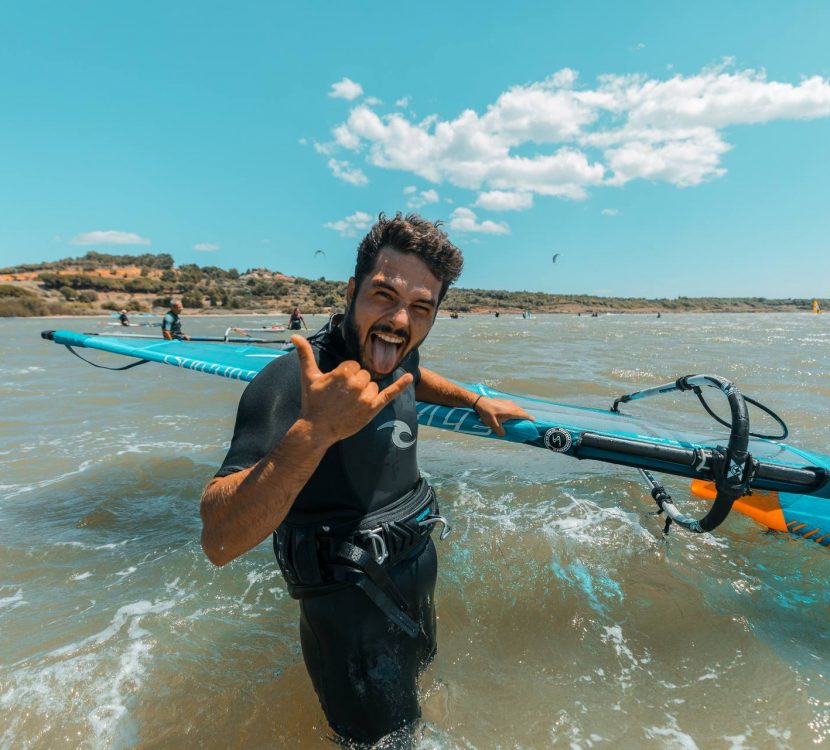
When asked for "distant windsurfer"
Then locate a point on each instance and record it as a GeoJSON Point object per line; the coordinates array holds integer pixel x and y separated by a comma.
{"type": "Point", "coordinates": [123, 319]}
{"type": "Point", "coordinates": [171, 326]}
{"type": "Point", "coordinates": [296, 320]}
{"type": "Point", "coordinates": [324, 450]}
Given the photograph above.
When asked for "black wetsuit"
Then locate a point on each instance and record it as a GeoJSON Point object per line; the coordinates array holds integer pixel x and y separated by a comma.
{"type": "Point", "coordinates": [295, 322]}
{"type": "Point", "coordinates": [363, 667]}
{"type": "Point", "coordinates": [172, 323]}
{"type": "Point", "coordinates": [125, 321]}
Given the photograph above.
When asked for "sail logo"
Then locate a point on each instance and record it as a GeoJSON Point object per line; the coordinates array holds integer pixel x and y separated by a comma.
{"type": "Point", "coordinates": [455, 418]}
{"type": "Point", "coordinates": [558, 439]}
{"type": "Point", "coordinates": [400, 432]}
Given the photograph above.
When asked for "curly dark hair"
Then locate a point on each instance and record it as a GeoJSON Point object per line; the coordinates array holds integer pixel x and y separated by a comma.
{"type": "Point", "coordinates": [411, 234]}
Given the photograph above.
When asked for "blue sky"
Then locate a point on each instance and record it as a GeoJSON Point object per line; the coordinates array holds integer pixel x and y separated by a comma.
{"type": "Point", "coordinates": [661, 149]}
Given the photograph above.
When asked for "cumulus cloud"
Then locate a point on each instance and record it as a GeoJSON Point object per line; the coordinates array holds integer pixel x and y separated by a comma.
{"type": "Point", "coordinates": [351, 225]}
{"type": "Point", "coordinates": [464, 220]}
{"type": "Point", "coordinates": [418, 200]}
{"type": "Point", "coordinates": [325, 149]}
{"type": "Point", "coordinates": [504, 200]}
{"type": "Point", "coordinates": [346, 88]}
{"type": "Point", "coordinates": [206, 247]}
{"type": "Point", "coordinates": [109, 237]}
{"type": "Point", "coordinates": [562, 138]}
{"type": "Point", "coordinates": [342, 170]}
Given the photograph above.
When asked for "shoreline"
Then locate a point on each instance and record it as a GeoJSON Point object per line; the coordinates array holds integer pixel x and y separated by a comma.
{"type": "Point", "coordinates": [445, 313]}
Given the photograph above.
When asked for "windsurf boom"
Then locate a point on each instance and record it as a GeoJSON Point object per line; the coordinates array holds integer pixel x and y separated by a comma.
{"type": "Point", "coordinates": [789, 485]}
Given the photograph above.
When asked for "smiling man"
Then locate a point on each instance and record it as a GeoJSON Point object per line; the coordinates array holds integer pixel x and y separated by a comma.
{"type": "Point", "coordinates": [324, 451]}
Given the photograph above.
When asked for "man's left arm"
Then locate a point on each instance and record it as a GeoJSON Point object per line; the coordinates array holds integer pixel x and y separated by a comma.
{"type": "Point", "coordinates": [435, 389]}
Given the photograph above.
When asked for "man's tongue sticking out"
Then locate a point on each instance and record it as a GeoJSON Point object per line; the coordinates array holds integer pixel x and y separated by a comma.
{"type": "Point", "coordinates": [383, 349]}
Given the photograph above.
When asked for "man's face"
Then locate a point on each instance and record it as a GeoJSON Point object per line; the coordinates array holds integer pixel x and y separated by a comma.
{"type": "Point", "coordinates": [176, 308]}
{"type": "Point", "coordinates": [392, 312]}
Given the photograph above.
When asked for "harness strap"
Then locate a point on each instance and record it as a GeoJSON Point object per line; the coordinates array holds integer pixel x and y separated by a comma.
{"type": "Point", "coordinates": [358, 567]}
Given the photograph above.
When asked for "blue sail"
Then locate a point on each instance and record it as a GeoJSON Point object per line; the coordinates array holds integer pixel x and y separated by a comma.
{"type": "Point", "coordinates": [795, 479]}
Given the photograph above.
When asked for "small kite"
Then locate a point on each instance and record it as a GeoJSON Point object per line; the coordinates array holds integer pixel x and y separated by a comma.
{"type": "Point", "coordinates": [556, 256]}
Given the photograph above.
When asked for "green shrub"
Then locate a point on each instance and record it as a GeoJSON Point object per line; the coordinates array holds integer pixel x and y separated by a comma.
{"type": "Point", "coordinates": [9, 290]}
{"type": "Point", "coordinates": [193, 300]}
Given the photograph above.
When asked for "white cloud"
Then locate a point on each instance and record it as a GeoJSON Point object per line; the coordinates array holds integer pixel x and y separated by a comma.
{"type": "Point", "coordinates": [464, 220]}
{"type": "Point", "coordinates": [424, 198]}
{"type": "Point", "coordinates": [109, 237]}
{"type": "Point", "coordinates": [610, 212]}
{"type": "Point", "coordinates": [351, 225]}
{"type": "Point", "coordinates": [346, 138]}
{"type": "Point", "coordinates": [303, 141]}
{"type": "Point", "coordinates": [504, 200]}
{"type": "Point", "coordinates": [325, 149]}
{"type": "Point", "coordinates": [409, 189]}
{"type": "Point", "coordinates": [346, 88]}
{"type": "Point", "coordinates": [342, 170]}
{"type": "Point", "coordinates": [403, 102]}
{"type": "Point", "coordinates": [206, 247]}
{"type": "Point", "coordinates": [372, 101]}
{"type": "Point", "coordinates": [560, 138]}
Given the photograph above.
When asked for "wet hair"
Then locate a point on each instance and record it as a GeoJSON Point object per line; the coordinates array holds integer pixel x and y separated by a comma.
{"type": "Point", "coordinates": [411, 234]}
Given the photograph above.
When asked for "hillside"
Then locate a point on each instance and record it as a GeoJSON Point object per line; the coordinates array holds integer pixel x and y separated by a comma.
{"type": "Point", "coordinates": [99, 282]}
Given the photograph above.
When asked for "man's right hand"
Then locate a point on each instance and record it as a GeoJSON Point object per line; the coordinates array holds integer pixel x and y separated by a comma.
{"type": "Point", "coordinates": [339, 403]}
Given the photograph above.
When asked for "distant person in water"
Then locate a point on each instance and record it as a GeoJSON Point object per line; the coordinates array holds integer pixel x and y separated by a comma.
{"type": "Point", "coordinates": [171, 327]}
{"type": "Point", "coordinates": [296, 320]}
{"type": "Point", "coordinates": [123, 319]}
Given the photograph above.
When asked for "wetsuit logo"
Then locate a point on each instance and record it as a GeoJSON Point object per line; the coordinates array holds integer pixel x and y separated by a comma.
{"type": "Point", "coordinates": [400, 433]}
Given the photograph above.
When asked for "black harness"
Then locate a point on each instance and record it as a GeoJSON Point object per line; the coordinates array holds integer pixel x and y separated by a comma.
{"type": "Point", "coordinates": [320, 558]}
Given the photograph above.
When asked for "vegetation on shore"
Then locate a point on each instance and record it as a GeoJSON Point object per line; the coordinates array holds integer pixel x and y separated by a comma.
{"type": "Point", "coordinates": [98, 282]}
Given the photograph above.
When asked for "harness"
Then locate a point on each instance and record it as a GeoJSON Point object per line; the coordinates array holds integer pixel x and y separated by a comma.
{"type": "Point", "coordinates": [320, 558]}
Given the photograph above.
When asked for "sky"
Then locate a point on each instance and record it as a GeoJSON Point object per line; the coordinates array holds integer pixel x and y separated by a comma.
{"type": "Point", "coordinates": [660, 149]}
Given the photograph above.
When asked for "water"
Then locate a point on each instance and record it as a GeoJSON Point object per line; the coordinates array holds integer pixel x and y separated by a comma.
{"type": "Point", "coordinates": [564, 619]}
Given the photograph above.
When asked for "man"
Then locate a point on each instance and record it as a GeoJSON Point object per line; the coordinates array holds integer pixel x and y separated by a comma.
{"type": "Point", "coordinates": [324, 450]}
{"type": "Point", "coordinates": [123, 319]}
{"type": "Point", "coordinates": [171, 327]}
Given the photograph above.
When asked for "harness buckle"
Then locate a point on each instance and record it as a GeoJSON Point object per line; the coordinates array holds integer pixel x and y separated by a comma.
{"type": "Point", "coordinates": [377, 543]}
{"type": "Point", "coordinates": [431, 520]}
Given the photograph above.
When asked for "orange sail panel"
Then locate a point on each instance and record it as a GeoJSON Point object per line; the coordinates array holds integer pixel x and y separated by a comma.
{"type": "Point", "coordinates": [760, 506]}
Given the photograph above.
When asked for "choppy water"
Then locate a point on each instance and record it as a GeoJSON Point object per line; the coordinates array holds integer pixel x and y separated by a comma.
{"type": "Point", "coordinates": [564, 619]}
